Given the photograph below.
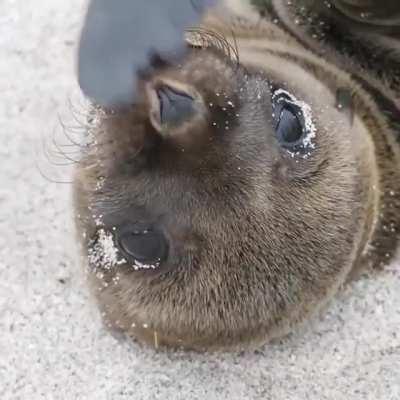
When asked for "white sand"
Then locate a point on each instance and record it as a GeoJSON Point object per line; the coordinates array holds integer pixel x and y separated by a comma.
{"type": "Point", "coordinates": [52, 345]}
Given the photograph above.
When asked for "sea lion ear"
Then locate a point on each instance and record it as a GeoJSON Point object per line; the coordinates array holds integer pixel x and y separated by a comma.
{"type": "Point", "coordinates": [173, 106]}
{"type": "Point", "coordinates": [370, 12]}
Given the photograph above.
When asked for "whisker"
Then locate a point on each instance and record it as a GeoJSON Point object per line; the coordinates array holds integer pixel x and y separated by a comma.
{"type": "Point", "coordinates": [49, 155]}
{"type": "Point", "coordinates": [68, 136]}
{"type": "Point", "coordinates": [41, 172]}
{"type": "Point", "coordinates": [210, 39]}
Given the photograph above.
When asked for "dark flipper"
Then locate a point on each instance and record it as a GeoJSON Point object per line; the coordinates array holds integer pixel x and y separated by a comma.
{"type": "Point", "coordinates": [119, 37]}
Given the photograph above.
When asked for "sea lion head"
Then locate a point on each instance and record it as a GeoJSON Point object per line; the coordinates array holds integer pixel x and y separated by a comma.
{"type": "Point", "coordinates": [229, 202]}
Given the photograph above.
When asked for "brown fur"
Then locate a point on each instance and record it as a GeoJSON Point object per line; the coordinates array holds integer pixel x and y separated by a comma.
{"type": "Point", "coordinates": [259, 239]}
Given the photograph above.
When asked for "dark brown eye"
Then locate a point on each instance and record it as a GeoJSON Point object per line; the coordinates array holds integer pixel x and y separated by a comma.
{"type": "Point", "coordinates": [289, 129]}
{"type": "Point", "coordinates": [293, 123]}
{"type": "Point", "coordinates": [175, 107]}
{"type": "Point", "coordinates": [146, 247]}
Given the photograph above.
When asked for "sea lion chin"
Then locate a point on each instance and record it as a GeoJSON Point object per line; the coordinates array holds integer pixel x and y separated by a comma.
{"type": "Point", "coordinates": [235, 198]}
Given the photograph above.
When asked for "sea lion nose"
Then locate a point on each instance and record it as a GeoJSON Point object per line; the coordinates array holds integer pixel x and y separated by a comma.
{"type": "Point", "coordinates": [141, 246]}
{"type": "Point", "coordinates": [175, 107]}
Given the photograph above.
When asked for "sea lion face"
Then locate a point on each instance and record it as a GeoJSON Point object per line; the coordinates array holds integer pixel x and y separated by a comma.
{"type": "Point", "coordinates": [227, 204]}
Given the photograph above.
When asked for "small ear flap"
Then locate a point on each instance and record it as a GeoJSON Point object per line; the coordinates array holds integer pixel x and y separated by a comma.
{"type": "Point", "coordinates": [173, 106]}
{"type": "Point", "coordinates": [371, 12]}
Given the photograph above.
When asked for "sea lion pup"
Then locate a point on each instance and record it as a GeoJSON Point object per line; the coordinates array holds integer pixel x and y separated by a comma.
{"type": "Point", "coordinates": [236, 196]}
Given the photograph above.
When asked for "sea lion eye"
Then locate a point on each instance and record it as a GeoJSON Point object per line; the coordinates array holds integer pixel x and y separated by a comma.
{"type": "Point", "coordinates": [175, 106]}
{"type": "Point", "coordinates": [145, 247]}
{"type": "Point", "coordinates": [289, 129]}
{"type": "Point", "coordinates": [294, 126]}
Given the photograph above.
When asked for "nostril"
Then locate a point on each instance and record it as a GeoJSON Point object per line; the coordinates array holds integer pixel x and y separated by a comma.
{"type": "Point", "coordinates": [175, 107]}
{"type": "Point", "coordinates": [146, 247]}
